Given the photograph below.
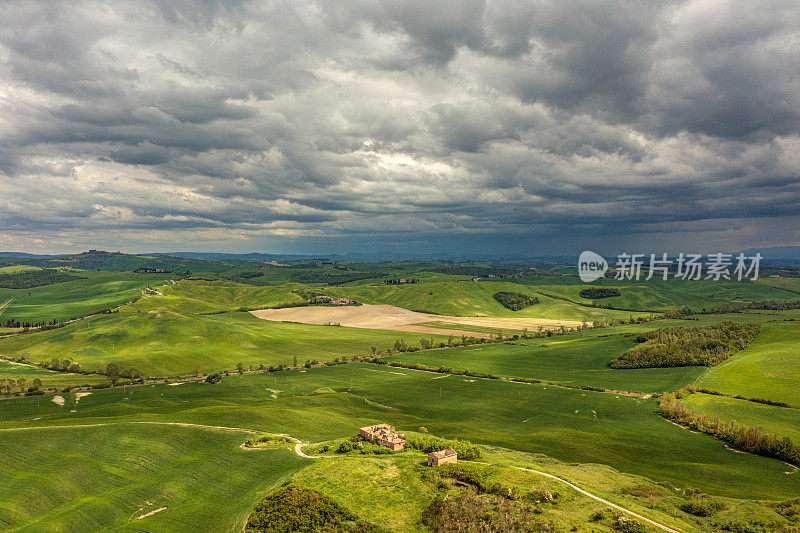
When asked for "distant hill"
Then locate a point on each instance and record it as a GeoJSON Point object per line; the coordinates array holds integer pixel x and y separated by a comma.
{"type": "Point", "coordinates": [118, 261]}
{"type": "Point", "coordinates": [776, 252]}
{"type": "Point", "coordinates": [23, 254]}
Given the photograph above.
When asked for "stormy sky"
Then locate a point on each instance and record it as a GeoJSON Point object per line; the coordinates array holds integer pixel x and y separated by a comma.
{"type": "Point", "coordinates": [527, 127]}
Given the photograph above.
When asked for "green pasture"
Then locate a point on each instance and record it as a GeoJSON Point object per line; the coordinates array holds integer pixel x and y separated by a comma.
{"type": "Point", "coordinates": [13, 269]}
{"type": "Point", "coordinates": [768, 368]}
{"type": "Point", "coordinates": [578, 359]}
{"type": "Point", "coordinates": [332, 402]}
{"type": "Point", "coordinates": [105, 477]}
{"type": "Point", "coordinates": [50, 378]}
{"type": "Point", "coordinates": [781, 421]}
{"type": "Point", "coordinates": [405, 487]}
{"type": "Point", "coordinates": [659, 295]}
{"type": "Point", "coordinates": [63, 301]}
{"type": "Point", "coordinates": [468, 298]}
{"type": "Point", "coordinates": [158, 340]}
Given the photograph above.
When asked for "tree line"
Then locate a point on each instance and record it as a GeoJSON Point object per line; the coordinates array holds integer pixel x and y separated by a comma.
{"type": "Point", "coordinates": [27, 279]}
{"type": "Point", "coordinates": [748, 439]}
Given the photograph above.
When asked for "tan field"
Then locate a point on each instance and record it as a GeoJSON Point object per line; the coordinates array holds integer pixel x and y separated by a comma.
{"type": "Point", "coordinates": [396, 318]}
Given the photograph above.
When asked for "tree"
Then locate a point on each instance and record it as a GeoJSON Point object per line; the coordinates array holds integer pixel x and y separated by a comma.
{"type": "Point", "coordinates": [113, 372]}
{"type": "Point", "coordinates": [240, 367]}
{"type": "Point", "coordinates": [294, 361]}
{"type": "Point", "coordinates": [37, 383]}
{"type": "Point", "coordinates": [196, 369]}
{"type": "Point", "coordinates": [21, 384]}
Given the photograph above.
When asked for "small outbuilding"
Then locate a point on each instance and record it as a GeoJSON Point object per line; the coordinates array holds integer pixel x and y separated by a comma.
{"type": "Point", "coordinates": [447, 455]}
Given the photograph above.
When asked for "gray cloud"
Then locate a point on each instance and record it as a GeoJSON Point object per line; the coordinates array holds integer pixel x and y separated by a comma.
{"type": "Point", "coordinates": [258, 123]}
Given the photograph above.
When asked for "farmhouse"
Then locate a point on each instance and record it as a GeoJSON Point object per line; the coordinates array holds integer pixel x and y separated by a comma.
{"type": "Point", "coordinates": [447, 455]}
{"type": "Point", "coordinates": [385, 435]}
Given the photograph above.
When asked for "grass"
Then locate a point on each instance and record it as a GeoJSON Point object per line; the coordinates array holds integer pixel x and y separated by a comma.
{"type": "Point", "coordinates": [202, 477]}
{"type": "Point", "coordinates": [466, 298]}
{"type": "Point", "coordinates": [438, 324]}
{"type": "Point", "coordinates": [768, 368]}
{"type": "Point", "coordinates": [13, 269]}
{"type": "Point", "coordinates": [659, 295]}
{"type": "Point", "coordinates": [579, 359]}
{"type": "Point", "coordinates": [50, 378]}
{"type": "Point", "coordinates": [404, 486]}
{"type": "Point", "coordinates": [63, 301]}
{"type": "Point", "coordinates": [781, 421]}
{"type": "Point", "coordinates": [157, 338]}
{"type": "Point", "coordinates": [570, 425]}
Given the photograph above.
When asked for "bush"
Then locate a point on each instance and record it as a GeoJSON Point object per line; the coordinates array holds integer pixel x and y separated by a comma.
{"type": "Point", "coordinates": [216, 377]}
{"type": "Point", "coordinates": [701, 506]}
{"type": "Point", "coordinates": [627, 525]}
{"type": "Point", "coordinates": [514, 300]}
{"type": "Point", "coordinates": [298, 509]}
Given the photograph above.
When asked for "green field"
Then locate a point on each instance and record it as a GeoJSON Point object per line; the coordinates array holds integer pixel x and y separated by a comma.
{"type": "Point", "coordinates": [571, 425]}
{"type": "Point", "coordinates": [63, 301]}
{"type": "Point", "coordinates": [98, 459]}
{"type": "Point", "coordinates": [467, 298]}
{"type": "Point", "coordinates": [578, 359]}
{"type": "Point", "coordinates": [768, 368]}
{"type": "Point", "coordinates": [157, 338]}
{"type": "Point", "coordinates": [49, 378]}
{"type": "Point", "coordinates": [659, 295]}
{"type": "Point", "coordinates": [777, 420]}
{"type": "Point", "coordinates": [202, 477]}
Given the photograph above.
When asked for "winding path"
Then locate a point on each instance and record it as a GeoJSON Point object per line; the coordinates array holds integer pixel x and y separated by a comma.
{"type": "Point", "coordinates": [298, 449]}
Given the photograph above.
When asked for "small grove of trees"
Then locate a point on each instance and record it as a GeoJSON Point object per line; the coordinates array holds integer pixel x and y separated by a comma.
{"type": "Point", "coordinates": [10, 386]}
{"type": "Point", "coordinates": [705, 346]}
{"type": "Point", "coordinates": [748, 439]}
{"type": "Point", "coordinates": [114, 373]}
{"type": "Point", "coordinates": [514, 300]}
{"type": "Point", "coordinates": [428, 443]}
{"type": "Point", "coordinates": [28, 279]}
{"type": "Point", "coordinates": [293, 508]}
{"type": "Point", "coordinates": [596, 293]}
{"type": "Point", "coordinates": [215, 377]}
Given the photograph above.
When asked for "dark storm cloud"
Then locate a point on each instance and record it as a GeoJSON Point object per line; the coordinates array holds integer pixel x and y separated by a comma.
{"type": "Point", "coordinates": [376, 118]}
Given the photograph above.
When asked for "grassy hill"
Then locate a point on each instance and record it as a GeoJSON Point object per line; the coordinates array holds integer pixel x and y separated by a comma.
{"type": "Point", "coordinates": [51, 483]}
{"type": "Point", "coordinates": [63, 301]}
{"type": "Point", "coordinates": [467, 298]}
{"type": "Point", "coordinates": [157, 337]}
{"type": "Point", "coordinates": [570, 425]}
{"type": "Point", "coordinates": [579, 359]}
{"type": "Point", "coordinates": [769, 368]}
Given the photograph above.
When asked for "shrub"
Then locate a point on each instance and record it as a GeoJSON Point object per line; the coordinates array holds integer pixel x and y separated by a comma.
{"type": "Point", "coordinates": [627, 525]}
{"type": "Point", "coordinates": [298, 509]}
{"type": "Point", "coordinates": [216, 377]}
{"type": "Point", "coordinates": [701, 506]}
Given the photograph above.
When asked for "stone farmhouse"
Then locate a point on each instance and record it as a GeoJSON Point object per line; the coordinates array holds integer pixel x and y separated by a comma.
{"type": "Point", "coordinates": [384, 435]}
{"type": "Point", "coordinates": [442, 456]}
